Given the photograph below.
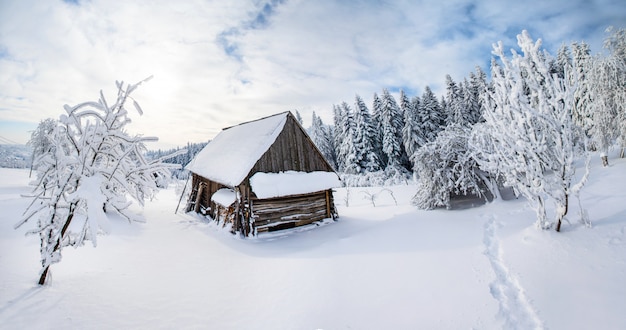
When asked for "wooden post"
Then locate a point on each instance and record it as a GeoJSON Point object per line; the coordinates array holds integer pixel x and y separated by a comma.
{"type": "Point", "coordinates": [237, 215]}
{"type": "Point", "coordinates": [181, 195]}
{"type": "Point", "coordinates": [199, 196]}
{"type": "Point", "coordinates": [328, 212]}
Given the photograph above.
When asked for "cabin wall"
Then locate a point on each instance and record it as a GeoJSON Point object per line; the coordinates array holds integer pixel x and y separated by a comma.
{"type": "Point", "coordinates": [209, 188]}
{"type": "Point", "coordinates": [292, 211]}
{"type": "Point", "coordinates": [293, 150]}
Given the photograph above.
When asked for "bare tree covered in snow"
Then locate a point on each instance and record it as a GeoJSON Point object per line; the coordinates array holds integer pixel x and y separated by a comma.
{"type": "Point", "coordinates": [91, 167]}
{"type": "Point", "coordinates": [528, 135]}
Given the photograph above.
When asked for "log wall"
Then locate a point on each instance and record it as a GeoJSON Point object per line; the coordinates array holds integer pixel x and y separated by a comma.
{"type": "Point", "coordinates": [293, 211]}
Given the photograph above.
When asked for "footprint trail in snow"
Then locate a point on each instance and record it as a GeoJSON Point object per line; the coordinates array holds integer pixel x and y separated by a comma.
{"type": "Point", "coordinates": [515, 308]}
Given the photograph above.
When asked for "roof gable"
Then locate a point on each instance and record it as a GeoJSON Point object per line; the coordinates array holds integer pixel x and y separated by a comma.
{"type": "Point", "coordinates": [230, 156]}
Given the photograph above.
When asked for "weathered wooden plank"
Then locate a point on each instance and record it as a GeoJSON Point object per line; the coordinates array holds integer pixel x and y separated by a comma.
{"type": "Point", "coordinates": [278, 214]}
{"type": "Point", "coordinates": [199, 197]}
{"type": "Point", "coordinates": [261, 205]}
{"type": "Point", "coordinates": [290, 218]}
{"type": "Point", "coordinates": [319, 194]}
{"type": "Point", "coordinates": [298, 223]}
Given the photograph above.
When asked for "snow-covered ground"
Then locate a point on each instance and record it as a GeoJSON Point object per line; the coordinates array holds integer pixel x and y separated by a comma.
{"type": "Point", "coordinates": [384, 267]}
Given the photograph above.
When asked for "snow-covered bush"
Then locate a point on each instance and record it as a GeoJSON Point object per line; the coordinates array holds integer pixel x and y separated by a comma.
{"type": "Point", "coordinates": [91, 166]}
{"type": "Point", "coordinates": [445, 167]}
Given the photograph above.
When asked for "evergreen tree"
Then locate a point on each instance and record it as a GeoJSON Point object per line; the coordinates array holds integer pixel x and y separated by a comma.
{"type": "Point", "coordinates": [364, 137]}
{"type": "Point", "coordinates": [391, 125]}
{"type": "Point", "coordinates": [564, 61]}
{"type": "Point", "coordinates": [430, 115]}
{"type": "Point", "coordinates": [607, 92]}
{"type": "Point", "coordinates": [579, 75]}
{"type": "Point", "coordinates": [337, 130]}
{"type": "Point", "coordinates": [319, 134]}
{"type": "Point", "coordinates": [616, 44]}
{"type": "Point", "coordinates": [445, 112]}
{"type": "Point", "coordinates": [298, 117]}
{"type": "Point", "coordinates": [477, 88]}
{"type": "Point", "coordinates": [411, 133]}
{"type": "Point", "coordinates": [377, 137]}
{"type": "Point", "coordinates": [456, 112]}
{"type": "Point", "coordinates": [346, 153]}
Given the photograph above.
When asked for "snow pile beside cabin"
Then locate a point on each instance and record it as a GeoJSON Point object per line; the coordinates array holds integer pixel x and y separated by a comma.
{"type": "Point", "coordinates": [224, 197]}
{"type": "Point", "coordinates": [269, 185]}
{"type": "Point", "coordinates": [238, 151]}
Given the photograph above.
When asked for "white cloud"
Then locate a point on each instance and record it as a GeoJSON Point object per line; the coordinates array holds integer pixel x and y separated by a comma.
{"type": "Point", "coordinates": [217, 63]}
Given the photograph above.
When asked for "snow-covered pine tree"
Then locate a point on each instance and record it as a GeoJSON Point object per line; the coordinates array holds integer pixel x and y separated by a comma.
{"type": "Point", "coordinates": [364, 137]}
{"type": "Point", "coordinates": [347, 153]}
{"type": "Point", "coordinates": [564, 61]}
{"type": "Point", "coordinates": [528, 135]}
{"type": "Point", "coordinates": [411, 132]}
{"type": "Point", "coordinates": [476, 88]}
{"type": "Point", "coordinates": [337, 130]}
{"type": "Point", "coordinates": [430, 115]}
{"type": "Point", "coordinates": [616, 44]}
{"type": "Point", "coordinates": [445, 112]}
{"type": "Point", "coordinates": [298, 117]}
{"type": "Point", "coordinates": [91, 167]}
{"type": "Point", "coordinates": [329, 149]}
{"type": "Point", "coordinates": [320, 136]}
{"type": "Point", "coordinates": [377, 137]}
{"type": "Point", "coordinates": [391, 125]}
{"type": "Point", "coordinates": [582, 64]}
{"type": "Point", "coordinates": [607, 92]}
{"type": "Point", "coordinates": [456, 111]}
{"type": "Point", "coordinates": [316, 130]}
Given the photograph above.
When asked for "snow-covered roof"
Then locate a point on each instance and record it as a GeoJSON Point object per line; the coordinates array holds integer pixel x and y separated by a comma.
{"type": "Point", "coordinates": [230, 156]}
{"type": "Point", "coordinates": [268, 185]}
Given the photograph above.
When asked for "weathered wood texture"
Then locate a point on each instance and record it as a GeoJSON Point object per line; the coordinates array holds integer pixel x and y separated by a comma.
{"type": "Point", "coordinates": [286, 212]}
{"type": "Point", "coordinates": [293, 150]}
{"type": "Point", "coordinates": [210, 187]}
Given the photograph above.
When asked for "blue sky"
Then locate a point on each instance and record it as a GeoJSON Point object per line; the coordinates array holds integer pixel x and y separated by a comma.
{"type": "Point", "coordinates": [218, 63]}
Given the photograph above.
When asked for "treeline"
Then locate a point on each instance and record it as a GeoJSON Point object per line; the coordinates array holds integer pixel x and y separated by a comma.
{"type": "Point", "coordinates": [182, 158]}
{"type": "Point", "coordinates": [379, 145]}
{"type": "Point", "coordinates": [15, 156]}
{"type": "Point", "coordinates": [524, 128]}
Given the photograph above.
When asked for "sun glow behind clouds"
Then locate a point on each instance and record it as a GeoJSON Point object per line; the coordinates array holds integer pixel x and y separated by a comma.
{"type": "Point", "coordinates": [216, 64]}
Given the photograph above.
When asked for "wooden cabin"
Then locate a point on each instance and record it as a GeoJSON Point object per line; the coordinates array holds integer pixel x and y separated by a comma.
{"type": "Point", "coordinates": [261, 176]}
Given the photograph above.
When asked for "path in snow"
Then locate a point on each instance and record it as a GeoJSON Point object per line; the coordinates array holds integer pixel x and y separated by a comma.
{"type": "Point", "coordinates": [506, 289]}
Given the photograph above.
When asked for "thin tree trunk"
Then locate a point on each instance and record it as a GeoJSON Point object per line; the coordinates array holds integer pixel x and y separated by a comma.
{"type": "Point", "coordinates": [558, 223]}
{"type": "Point", "coordinates": [57, 246]}
{"type": "Point", "coordinates": [605, 160]}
